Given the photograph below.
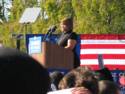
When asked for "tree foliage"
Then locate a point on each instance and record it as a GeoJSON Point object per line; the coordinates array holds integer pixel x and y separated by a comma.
{"type": "Point", "coordinates": [90, 16]}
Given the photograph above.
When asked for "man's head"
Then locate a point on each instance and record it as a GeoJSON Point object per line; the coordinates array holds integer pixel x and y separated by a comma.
{"type": "Point", "coordinates": [56, 76]}
{"type": "Point", "coordinates": [80, 77]}
{"type": "Point", "coordinates": [104, 74]}
{"type": "Point", "coordinates": [108, 87]}
{"type": "Point", "coordinates": [20, 74]}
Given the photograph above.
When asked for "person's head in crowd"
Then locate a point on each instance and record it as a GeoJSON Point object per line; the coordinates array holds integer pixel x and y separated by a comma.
{"type": "Point", "coordinates": [21, 74]}
{"type": "Point", "coordinates": [80, 77]}
{"type": "Point", "coordinates": [68, 81]}
{"type": "Point", "coordinates": [56, 76]}
{"type": "Point", "coordinates": [104, 74]}
{"type": "Point", "coordinates": [83, 69]}
{"type": "Point", "coordinates": [108, 87]}
{"type": "Point", "coordinates": [66, 24]}
{"type": "Point", "coordinates": [87, 80]}
{"type": "Point", "coordinates": [122, 80]}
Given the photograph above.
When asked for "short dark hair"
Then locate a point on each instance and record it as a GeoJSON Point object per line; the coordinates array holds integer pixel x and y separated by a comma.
{"type": "Point", "coordinates": [68, 21]}
{"type": "Point", "coordinates": [108, 87]}
{"type": "Point", "coordinates": [21, 74]}
{"type": "Point", "coordinates": [56, 76]}
{"type": "Point", "coordinates": [80, 77]}
{"type": "Point", "coordinates": [104, 74]}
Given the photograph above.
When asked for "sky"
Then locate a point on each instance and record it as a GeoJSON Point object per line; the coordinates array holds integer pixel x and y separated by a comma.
{"type": "Point", "coordinates": [7, 5]}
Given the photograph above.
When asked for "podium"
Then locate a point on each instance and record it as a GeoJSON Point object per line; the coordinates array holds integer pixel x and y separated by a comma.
{"type": "Point", "coordinates": [55, 57]}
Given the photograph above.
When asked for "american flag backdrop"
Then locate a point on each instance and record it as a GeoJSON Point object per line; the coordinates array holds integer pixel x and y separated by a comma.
{"type": "Point", "coordinates": [110, 46]}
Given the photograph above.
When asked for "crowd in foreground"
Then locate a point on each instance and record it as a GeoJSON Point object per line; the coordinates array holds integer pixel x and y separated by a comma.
{"type": "Point", "coordinates": [83, 80]}
{"type": "Point", "coordinates": [21, 74]}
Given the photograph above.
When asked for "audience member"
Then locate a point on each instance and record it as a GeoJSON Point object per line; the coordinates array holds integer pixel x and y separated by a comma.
{"type": "Point", "coordinates": [55, 76]}
{"type": "Point", "coordinates": [104, 74]}
{"type": "Point", "coordinates": [108, 87]}
{"type": "Point", "coordinates": [20, 74]}
{"type": "Point", "coordinates": [80, 77]}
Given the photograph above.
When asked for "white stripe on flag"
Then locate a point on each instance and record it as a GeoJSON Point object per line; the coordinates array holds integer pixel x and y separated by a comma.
{"type": "Point", "coordinates": [89, 41]}
{"type": "Point", "coordinates": [106, 61]}
{"type": "Point", "coordinates": [102, 51]}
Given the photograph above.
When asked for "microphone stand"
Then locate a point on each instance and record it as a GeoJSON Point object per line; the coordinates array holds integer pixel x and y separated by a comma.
{"type": "Point", "coordinates": [45, 36]}
{"type": "Point", "coordinates": [49, 35]}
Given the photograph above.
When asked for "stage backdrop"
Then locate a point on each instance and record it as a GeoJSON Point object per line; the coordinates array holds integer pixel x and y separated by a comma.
{"type": "Point", "coordinates": [89, 46]}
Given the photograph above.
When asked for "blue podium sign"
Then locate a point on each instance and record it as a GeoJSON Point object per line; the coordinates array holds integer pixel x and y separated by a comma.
{"type": "Point", "coordinates": [34, 45]}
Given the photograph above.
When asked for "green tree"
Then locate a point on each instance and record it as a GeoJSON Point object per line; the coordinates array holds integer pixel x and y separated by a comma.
{"type": "Point", "coordinates": [90, 17]}
{"type": "Point", "coordinates": [99, 16]}
{"type": "Point", "coordinates": [2, 10]}
{"type": "Point", "coordinates": [58, 9]}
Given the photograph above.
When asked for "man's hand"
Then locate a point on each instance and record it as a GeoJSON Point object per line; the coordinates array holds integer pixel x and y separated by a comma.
{"type": "Point", "coordinates": [80, 90]}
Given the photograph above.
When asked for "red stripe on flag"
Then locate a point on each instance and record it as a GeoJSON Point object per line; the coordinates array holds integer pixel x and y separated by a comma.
{"type": "Point", "coordinates": [110, 67]}
{"type": "Point", "coordinates": [103, 36]}
{"type": "Point", "coordinates": [105, 56]}
{"type": "Point", "coordinates": [102, 46]}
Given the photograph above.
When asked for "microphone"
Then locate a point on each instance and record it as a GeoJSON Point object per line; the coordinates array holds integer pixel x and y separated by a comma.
{"type": "Point", "coordinates": [50, 31]}
{"type": "Point", "coordinates": [52, 28]}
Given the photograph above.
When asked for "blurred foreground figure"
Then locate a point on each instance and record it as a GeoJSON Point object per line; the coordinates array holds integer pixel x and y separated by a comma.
{"type": "Point", "coordinates": [108, 87]}
{"type": "Point", "coordinates": [55, 77]}
{"type": "Point", "coordinates": [20, 74]}
{"type": "Point", "coordinates": [104, 74]}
